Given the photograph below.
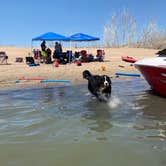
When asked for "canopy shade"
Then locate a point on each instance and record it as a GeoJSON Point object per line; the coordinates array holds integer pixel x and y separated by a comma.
{"type": "Point", "coordinates": [51, 36]}
{"type": "Point", "coordinates": [82, 37]}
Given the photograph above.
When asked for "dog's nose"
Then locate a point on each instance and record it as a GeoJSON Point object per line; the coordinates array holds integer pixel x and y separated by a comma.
{"type": "Point", "coordinates": [106, 83]}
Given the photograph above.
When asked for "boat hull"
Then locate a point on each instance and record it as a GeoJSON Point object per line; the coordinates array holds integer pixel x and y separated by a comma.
{"type": "Point", "coordinates": [155, 76]}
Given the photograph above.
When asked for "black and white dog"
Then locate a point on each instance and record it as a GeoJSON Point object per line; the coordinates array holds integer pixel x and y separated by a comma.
{"type": "Point", "coordinates": [99, 86]}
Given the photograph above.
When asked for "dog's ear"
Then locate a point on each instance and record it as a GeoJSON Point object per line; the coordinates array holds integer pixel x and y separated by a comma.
{"type": "Point", "coordinates": [86, 74]}
{"type": "Point", "coordinates": [109, 80]}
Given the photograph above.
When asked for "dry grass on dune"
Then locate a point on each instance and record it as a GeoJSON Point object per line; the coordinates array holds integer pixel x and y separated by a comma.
{"type": "Point", "coordinates": [10, 73]}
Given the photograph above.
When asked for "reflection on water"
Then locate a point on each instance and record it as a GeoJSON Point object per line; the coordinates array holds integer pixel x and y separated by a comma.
{"type": "Point", "coordinates": [59, 125]}
{"type": "Point", "coordinates": [153, 106]}
{"type": "Point", "coordinates": [154, 115]}
{"type": "Point", "coordinates": [100, 116]}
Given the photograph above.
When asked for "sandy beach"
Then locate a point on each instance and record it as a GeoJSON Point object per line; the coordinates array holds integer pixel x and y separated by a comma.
{"type": "Point", "coordinates": [113, 63]}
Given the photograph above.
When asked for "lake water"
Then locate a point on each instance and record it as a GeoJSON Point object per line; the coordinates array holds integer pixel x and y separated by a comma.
{"type": "Point", "coordinates": [66, 126]}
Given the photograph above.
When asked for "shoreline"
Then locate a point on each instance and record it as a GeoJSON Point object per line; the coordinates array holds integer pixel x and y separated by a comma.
{"type": "Point", "coordinates": [113, 63]}
{"type": "Point", "coordinates": [30, 85]}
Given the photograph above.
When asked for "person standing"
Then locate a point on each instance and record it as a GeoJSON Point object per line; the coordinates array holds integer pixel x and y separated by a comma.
{"type": "Point", "coordinates": [43, 51]}
{"type": "Point", "coordinates": [43, 45]}
{"type": "Point", "coordinates": [57, 51]}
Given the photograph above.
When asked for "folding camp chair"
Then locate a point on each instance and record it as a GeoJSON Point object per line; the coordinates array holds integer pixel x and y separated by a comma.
{"type": "Point", "coordinates": [3, 57]}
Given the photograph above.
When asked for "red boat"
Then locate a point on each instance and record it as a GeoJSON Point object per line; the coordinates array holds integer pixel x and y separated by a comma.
{"type": "Point", "coordinates": [128, 59]}
{"type": "Point", "coordinates": [154, 71]}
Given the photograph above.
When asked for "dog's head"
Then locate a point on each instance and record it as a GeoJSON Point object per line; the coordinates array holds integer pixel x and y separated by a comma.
{"type": "Point", "coordinates": [86, 74]}
{"type": "Point", "coordinates": [105, 82]}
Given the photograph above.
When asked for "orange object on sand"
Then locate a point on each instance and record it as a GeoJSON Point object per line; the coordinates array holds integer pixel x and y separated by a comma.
{"type": "Point", "coordinates": [103, 68]}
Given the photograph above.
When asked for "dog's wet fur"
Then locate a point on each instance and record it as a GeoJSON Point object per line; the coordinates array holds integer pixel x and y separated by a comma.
{"type": "Point", "coordinates": [98, 85]}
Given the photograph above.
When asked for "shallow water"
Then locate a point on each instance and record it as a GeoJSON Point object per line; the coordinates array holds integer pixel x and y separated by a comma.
{"type": "Point", "coordinates": [67, 126]}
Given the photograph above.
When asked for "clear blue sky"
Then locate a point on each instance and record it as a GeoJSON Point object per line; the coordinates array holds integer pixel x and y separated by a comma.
{"type": "Point", "coordinates": [21, 20]}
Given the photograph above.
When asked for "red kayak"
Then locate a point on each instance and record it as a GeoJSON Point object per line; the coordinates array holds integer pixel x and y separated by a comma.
{"type": "Point", "coordinates": [129, 59]}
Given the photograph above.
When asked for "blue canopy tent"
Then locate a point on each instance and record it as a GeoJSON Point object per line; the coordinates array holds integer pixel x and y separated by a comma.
{"type": "Point", "coordinates": [82, 37]}
{"type": "Point", "coordinates": [51, 36]}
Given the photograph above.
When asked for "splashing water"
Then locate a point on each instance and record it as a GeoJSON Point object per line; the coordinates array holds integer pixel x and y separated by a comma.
{"type": "Point", "coordinates": [114, 102]}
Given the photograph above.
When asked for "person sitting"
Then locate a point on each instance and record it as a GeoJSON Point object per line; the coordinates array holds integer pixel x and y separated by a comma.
{"type": "Point", "coordinates": [84, 56]}
{"type": "Point", "coordinates": [37, 55]}
{"type": "Point", "coordinates": [100, 56]}
{"type": "Point", "coordinates": [3, 57]}
{"type": "Point", "coordinates": [48, 58]}
{"type": "Point", "coordinates": [90, 57]}
{"type": "Point", "coordinates": [63, 58]}
{"type": "Point", "coordinates": [77, 56]}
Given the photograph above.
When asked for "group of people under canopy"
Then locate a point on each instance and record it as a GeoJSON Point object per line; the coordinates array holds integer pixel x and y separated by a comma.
{"type": "Point", "coordinates": [45, 55]}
